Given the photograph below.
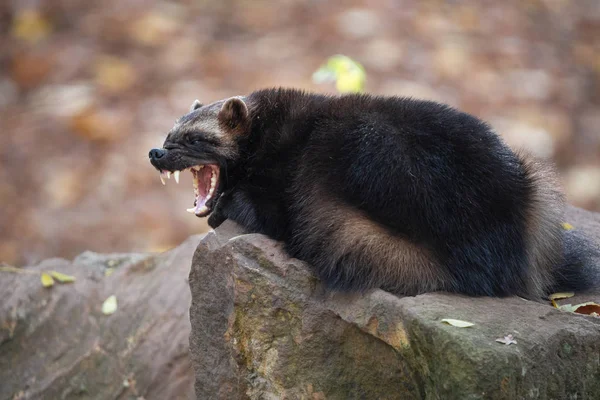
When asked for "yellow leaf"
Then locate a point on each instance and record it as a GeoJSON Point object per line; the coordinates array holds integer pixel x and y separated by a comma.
{"type": "Point", "coordinates": [110, 305]}
{"type": "Point", "coordinates": [348, 75]}
{"type": "Point", "coordinates": [351, 82]}
{"type": "Point", "coordinates": [62, 278]}
{"type": "Point", "coordinates": [554, 303]}
{"type": "Point", "coordinates": [458, 323]}
{"type": "Point", "coordinates": [47, 280]}
{"type": "Point", "coordinates": [567, 226]}
{"type": "Point", "coordinates": [563, 295]}
{"type": "Point", "coordinates": [108, 272]}
{"type": "Point", "coordinates": [31, 26]}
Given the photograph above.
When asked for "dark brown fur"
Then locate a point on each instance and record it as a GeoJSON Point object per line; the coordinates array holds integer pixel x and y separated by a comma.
{"type": "Point", "coordinates": [406, 195]}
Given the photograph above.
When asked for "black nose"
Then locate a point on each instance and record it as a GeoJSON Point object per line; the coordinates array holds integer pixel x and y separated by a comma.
{"type": "Point", "coordinates": [155, 154]}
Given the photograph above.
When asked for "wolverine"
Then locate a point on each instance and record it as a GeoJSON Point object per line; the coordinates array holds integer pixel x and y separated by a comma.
{"type": "Point", "coordinates": [405, 195]}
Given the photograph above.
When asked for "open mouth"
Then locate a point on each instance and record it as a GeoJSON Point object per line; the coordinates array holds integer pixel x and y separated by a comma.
{"type": "Point", "coordinates": [206, 182]}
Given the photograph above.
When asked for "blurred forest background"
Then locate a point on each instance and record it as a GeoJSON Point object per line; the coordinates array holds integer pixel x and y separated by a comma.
{"type": "Point", "coordinates": [87, 88]}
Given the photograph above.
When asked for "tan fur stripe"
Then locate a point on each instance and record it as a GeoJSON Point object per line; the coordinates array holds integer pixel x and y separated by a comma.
{"type": "Point", "coordinates": [394, 259]}
{"type": "Point", "coordinates": [371, 251]}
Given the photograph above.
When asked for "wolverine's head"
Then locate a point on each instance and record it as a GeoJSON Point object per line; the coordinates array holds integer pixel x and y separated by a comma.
{"type": "Point", "coordinates": [203, 141]}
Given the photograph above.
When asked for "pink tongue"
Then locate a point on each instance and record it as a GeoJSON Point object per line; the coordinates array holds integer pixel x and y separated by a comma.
{"type": "Point", "coordinates": [203, 179]}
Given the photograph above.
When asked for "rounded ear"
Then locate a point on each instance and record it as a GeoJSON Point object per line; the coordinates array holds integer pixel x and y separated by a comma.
{"type": "Point", "coordinates": [195, 105]}
{"type": "Point", "coordinates": [234, 113]}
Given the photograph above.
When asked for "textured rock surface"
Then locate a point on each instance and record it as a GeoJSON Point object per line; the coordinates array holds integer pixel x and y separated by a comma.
{"type": "Point", "coordinates": [264, 328]}
{"type": "Point", "coordinates": [55, 343]}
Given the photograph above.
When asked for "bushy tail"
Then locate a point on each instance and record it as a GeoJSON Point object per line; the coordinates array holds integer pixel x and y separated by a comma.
{"type": "Point", "coordinates": [580, 269]}
{"type": "Point", "coordinates": [560, 259]}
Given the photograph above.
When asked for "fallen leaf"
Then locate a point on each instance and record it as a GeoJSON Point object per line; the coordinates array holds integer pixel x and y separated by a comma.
{"type": "Point", "coordinates": [348, 75]}
{"type": "Point", "coordinates": [458, 323]}
{"type": "Point", "coordinates": [31, 26]}
{"type": "Point", "coordinates": [563, 295]}
{"type": "Point", "coordinates": [584, 308]}
{"type": "Point", "coordinates": [567, 226]}
{"type": "Point", "coordinates": [350, 82]}
{"type": "Point", "coordinates": [554, 303]}
{"type": "Point", "coordinates": [567, 307]}
{"type": "Point", "coordinates": [62, 278]}
{"type": "Point", "coordinates": [108, 272]}
{"type": "Point", "coordinates": [588, 309]}
{"type": "Point", "coordinates": [47, 280]}
{"type": "Point", "coordinates": [508, 339]}
{"type": "Point", "coordinates": [110, 305]}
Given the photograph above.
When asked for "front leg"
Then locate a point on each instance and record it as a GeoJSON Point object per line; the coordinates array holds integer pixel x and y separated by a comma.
{"type": "Point", "coordinates": [217, 217]}
{"type": "Point", "coordinates": [256, 214]}
{"type": "Point", "coordinates": [219, 213]}
{"type": "Point", "coordinates": [236, 206]}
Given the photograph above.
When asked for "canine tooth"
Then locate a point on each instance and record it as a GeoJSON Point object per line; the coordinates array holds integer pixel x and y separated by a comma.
{"type": "Point", "coordinates": [168, 174]}
{"type": "Point", "coordinates": [191, 210]}
{"type": "Point", "coordinates": [176, 176]}
{"type": "Point", "coordinates": [162, 179]}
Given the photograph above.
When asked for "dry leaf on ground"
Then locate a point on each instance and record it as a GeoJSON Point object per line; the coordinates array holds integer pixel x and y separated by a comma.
{"type": "Point", "coordinates": [31, 26]}
{"type": "Point", "coordinates": [589, 308]}
{"type": "Point", "coordinates": [567, 226]}
{"type": "Point", "coordinates": [110, 305]}
{"type": "Point", "coordinates": [47, 280]}
{"type": "Point", "coordinates": [62, 278]}
{"type": "Point", "coordinates": [508, 339]}
{"type": "Point", "coordinates": [458, 323]}
{"type": "Point", "coordinates": [562, 295]}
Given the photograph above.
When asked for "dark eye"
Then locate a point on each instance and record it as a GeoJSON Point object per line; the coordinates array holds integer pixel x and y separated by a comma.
{"type": "Point", "coordinates": [195, 141]}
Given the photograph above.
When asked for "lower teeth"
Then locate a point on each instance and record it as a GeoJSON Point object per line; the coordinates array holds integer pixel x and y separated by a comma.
{"type": "Point", "coordinates": [200, 211]}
